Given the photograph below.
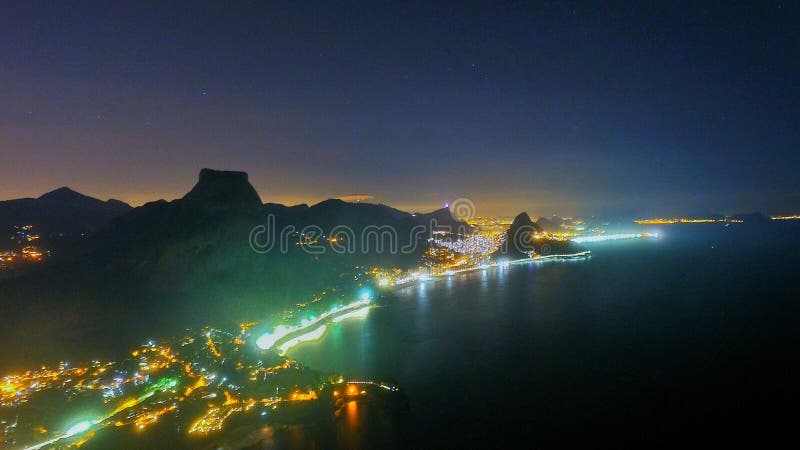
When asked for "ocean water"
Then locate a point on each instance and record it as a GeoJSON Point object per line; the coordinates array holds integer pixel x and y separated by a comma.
{"type": "Point", "coordinates": [688, 338]}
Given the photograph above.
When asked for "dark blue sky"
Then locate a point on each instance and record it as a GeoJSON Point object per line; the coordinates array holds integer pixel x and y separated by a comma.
{"type": "Point", "coordinates": [671, 107]}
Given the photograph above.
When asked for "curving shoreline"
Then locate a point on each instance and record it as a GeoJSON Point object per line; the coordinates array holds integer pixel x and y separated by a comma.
{"type": "Point", "coordinates": [586, 254]}
{"type": "Point", "coordinates": [283, 338]}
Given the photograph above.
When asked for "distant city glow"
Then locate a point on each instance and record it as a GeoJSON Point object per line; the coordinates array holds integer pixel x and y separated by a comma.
{"type": "Point", "coordinates": [475, 244]}
{"type": "Point", "coordinates": [671, 221]}
{"type": "Point", "coordinates": [792, 217]}
{"type": "Point", "coordinates": [612, 237]}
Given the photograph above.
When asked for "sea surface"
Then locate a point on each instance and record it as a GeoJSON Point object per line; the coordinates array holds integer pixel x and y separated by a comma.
{"type": "Point", "coordinates": [684, 339]}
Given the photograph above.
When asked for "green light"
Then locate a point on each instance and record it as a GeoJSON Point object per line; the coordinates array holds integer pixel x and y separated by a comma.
{"type": "Point", "coordinates": [163, 385]}
{"type": "Point", "coordinates": [79, 427]}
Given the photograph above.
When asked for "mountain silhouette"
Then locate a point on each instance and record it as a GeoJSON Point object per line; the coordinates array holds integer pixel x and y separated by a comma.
{"type": "Point", "coordinates": [520, 241]}
{"type": "Point", "coordinates": [61, 215]}
{"type": "Point", "coordinates": [218, 190]}
{"type": "Point", "coordinates": [551, 225]}
{"type": "Point", "coordinates": [167, 265]}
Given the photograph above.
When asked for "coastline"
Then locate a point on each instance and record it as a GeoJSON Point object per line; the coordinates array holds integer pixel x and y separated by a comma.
{"type": "Point", "coordinates": [586, 254]}
{"type": "Point", "coordinates": [316, 329]}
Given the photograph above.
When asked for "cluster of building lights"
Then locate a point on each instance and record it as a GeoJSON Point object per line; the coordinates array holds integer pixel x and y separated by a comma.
{"type": "Point", "coordinates": [792, 217]}
{"type": "Point", "coordinates": [612, 237]}
{"type": "Point", "coordinates": [219, 370]}
{"type": "Point", "coordinates": [25, 248]}
{"type": "Point", "coordinates": [210, 368]}
{"type": "Point", "coordinates": [670, 221]}
{"type": "Point", "coordinates": [476, 244]}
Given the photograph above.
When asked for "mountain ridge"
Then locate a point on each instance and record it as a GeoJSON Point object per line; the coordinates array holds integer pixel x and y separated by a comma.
{"type": "Point", "coordinates": [170, 264]}
{"type": "Point", "coordinates": [61, 212]}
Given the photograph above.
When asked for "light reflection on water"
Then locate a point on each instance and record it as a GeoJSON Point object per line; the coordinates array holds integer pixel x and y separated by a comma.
{"type": "Point", "coordinates": [352, 414]}
{"type": "Point", "coordinates": [562, 339]}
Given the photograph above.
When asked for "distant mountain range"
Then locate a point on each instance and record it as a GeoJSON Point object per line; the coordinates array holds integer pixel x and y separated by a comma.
{"type": "Point", "coordinates": [61, 213]}
{"type": "Point", "coordinates": [218, 214]}
{"type": "Point", "coordinates": [170, 264]}
{"type": "Point", "coordinates": [550, 225]}
{"type": "Point", "coordinates": [165, 265]}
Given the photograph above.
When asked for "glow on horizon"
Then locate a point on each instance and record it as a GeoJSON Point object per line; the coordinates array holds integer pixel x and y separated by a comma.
{"type": "Point", "coordinates": [612, 237]}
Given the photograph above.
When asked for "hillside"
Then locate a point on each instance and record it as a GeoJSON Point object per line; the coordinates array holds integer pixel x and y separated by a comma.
{"type": "Point", "coordinates": [189, 262]}
{"type": "Point", "coordinates": [62, 215]}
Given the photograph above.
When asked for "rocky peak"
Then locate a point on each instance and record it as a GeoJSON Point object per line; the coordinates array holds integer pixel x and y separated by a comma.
{"type": "Point", "coordinates": [221, 190]}
{"type": "Point", "coordinates": [62, 194]}
{"type": "Point", "coordinates": [523, 219]}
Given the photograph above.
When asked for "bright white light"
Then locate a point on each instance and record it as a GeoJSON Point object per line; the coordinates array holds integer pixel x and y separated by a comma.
{"type": "Point", "coordinates": [606, 237]}
{"type": "Point", "coordinates": [267, 340]}
{"type": "Point", "coordinates": [79, 427]}
{"type": "Point", "coordinates": [310, 336]}
{"type": "Point", "coordinates": [360, 312]}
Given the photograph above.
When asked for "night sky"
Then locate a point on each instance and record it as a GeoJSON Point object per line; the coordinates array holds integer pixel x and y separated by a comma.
{"type": "Point", "coordinates": [636, 108]}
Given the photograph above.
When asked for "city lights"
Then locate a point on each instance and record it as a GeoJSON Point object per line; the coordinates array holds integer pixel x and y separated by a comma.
{"type": "Point", "coordinates": [218, 387]}
{"type": "Point", "coordinates": [612, 237]}
{"type": "Point", "coordinates": [672, 221]}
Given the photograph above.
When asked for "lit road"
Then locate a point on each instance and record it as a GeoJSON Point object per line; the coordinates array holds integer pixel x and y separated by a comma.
{"type": "Point", "coordinates": [285, 337]}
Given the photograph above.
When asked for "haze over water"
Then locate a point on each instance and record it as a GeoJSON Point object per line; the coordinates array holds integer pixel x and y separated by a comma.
{"type": "Point", "coordinates": [681, 330]}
